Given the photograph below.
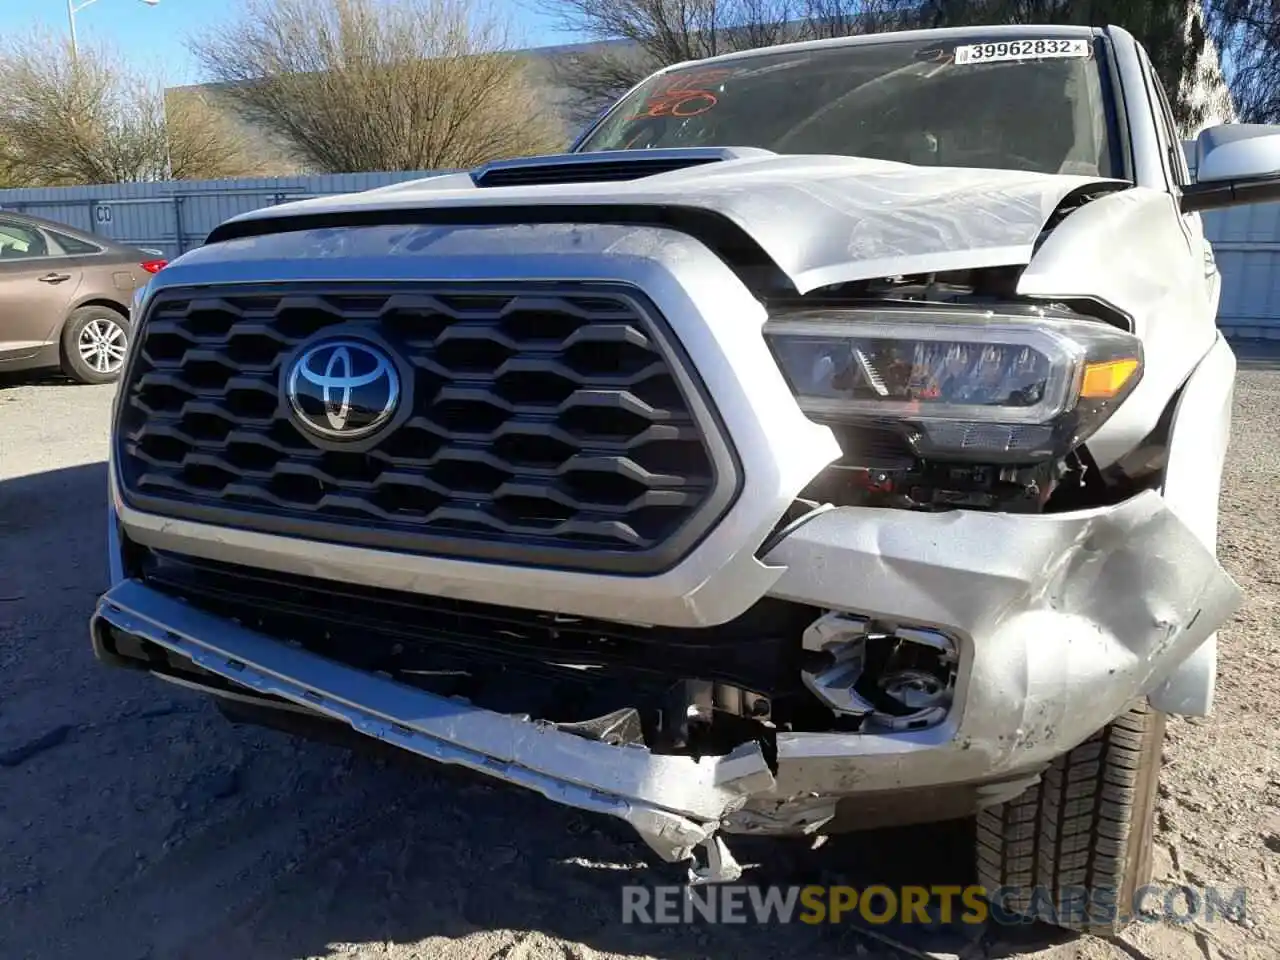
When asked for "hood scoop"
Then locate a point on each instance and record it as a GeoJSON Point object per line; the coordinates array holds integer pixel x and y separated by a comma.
{"type": "Point", "coordinates": [604, 166]}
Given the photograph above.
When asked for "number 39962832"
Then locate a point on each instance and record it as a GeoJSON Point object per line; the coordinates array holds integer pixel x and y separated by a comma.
{"type": "Point", "coordinates": [1021, 50]}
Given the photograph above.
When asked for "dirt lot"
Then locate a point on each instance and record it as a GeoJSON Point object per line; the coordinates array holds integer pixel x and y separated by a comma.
{"type": "Point", "coordinates": [136, 823]}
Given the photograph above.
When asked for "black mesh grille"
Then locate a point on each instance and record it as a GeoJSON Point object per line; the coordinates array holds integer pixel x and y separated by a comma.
{"type": "Point", "coordinates": [363, 626]}
{"type": "Point", "coordinates": [547, 425]}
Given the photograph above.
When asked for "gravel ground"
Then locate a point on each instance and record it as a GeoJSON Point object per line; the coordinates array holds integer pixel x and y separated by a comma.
{"type": "Point", "coordinates": [136, 823]}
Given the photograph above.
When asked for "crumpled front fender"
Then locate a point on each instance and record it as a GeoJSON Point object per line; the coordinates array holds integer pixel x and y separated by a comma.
{"type": "Point", "coordinates": [1062, 620]}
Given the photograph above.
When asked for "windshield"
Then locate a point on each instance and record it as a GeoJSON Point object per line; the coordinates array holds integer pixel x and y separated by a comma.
{"type": "Point", "coordinates": [1022, 104]}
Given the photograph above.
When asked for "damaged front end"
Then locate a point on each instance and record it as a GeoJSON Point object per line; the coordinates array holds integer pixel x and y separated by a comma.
{"type": "Point", "coordinates": [894, 570]}
{"type": "Point", "coordinates": [1026, 635]}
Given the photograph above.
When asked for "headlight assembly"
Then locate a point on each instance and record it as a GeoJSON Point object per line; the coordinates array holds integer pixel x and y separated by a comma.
{"type": "Point", "coordinates": [1007, 387]}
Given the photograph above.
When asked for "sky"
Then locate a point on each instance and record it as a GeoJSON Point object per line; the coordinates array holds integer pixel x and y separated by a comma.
{"type": "Point", "coordinates": [153, 38]}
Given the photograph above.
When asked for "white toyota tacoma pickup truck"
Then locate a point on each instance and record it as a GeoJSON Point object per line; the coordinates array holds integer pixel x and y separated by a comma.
{"type": "Point", "coordinates": [832, 438]}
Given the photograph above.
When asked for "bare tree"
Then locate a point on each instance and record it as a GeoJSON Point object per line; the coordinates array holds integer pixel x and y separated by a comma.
{"type": "Point", "coordinates": [632, 38]}
{"type": "Point", "coordinates": [83, 119]}
{"type": "Point", "coordinates": [371, 85]}
{"type": "Point", "coordinates": [11, 173]}
{"type": "Point", "coordinates": [1248, 33]}
{"type": "Point", "coordinates": [205, 143]}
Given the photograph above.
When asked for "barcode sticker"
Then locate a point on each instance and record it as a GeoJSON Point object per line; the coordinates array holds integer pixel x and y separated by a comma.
{"type": "Point", "coordinates": [1022, 50]}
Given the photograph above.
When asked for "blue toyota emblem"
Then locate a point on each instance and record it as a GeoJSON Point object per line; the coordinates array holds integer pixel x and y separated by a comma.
{"type": "Point", "coordinates": [343, 388]}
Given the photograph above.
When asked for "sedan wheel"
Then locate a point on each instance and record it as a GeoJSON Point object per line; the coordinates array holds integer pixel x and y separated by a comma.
{"type": "Point", "coordinates": [95, 343]}
{"type": "Point", "coordinates": [102, 344]}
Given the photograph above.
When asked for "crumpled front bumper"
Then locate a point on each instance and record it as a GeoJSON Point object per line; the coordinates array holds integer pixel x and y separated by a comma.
{"type": "Point", "coordinates": [675, 803]}
{"type": "Point", "coordinates": [1062, 621]}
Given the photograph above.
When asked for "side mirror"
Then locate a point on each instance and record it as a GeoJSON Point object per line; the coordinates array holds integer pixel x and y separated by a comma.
{"type": "Point", "coordinates": [1236, 163]}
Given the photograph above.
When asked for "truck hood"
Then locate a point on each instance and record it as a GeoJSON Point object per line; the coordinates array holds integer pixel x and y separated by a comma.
{"type": "Point", "coordinates": [822, 220]}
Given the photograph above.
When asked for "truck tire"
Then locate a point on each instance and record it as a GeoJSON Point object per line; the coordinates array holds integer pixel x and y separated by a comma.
{"type": "Point", "coordinates": [1076, 848]}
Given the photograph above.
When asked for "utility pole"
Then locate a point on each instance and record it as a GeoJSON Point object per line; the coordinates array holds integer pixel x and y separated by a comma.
{"type": "Point", "coordinates": [71, 21]}
{"type": "Point", "coordinates": [73, 8]}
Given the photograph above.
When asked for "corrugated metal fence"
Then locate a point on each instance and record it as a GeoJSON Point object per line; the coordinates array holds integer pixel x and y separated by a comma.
{"type": "Point", "coordinates": [174, 217]}
{"type": "Point", "coordinates": [1246, 243]}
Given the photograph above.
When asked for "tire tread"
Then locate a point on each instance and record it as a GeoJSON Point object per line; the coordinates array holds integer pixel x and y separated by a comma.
{"type": "Point", "coordinates": [1087, 823]}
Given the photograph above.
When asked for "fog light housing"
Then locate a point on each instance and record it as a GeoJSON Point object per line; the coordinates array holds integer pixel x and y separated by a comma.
{"type": "Point", "coordinates": [892, 679]}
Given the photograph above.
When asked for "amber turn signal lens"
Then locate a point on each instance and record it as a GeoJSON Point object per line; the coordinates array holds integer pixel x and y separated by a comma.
{"type": "Point", "coordinates": [1105, 380]}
